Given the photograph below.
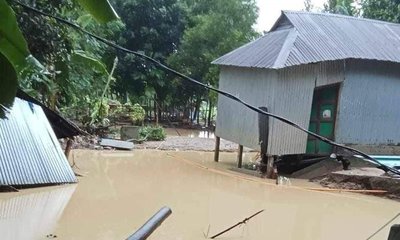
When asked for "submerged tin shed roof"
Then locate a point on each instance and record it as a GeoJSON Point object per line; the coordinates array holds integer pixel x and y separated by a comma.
{"type": "Point", "coordinates": [62, 127]}
{"type": "Point", "coordinates": [303, 37]}
{"type": "Point", "coordinates": [30, 153]}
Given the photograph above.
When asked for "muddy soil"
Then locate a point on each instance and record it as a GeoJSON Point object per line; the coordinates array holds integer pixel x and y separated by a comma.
{"type": "Point", "coordinates": [362, 179]}
{"type": "Point", "coordinates": [177, 140]}
{"type": "Point", "coordinates": [184, 143]}
{"type": "Point", "coordinates": [119, 191]}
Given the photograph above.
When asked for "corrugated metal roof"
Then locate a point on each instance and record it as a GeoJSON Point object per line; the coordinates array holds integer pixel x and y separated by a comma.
{"type": "Point", "coordinates": [303, 37]}
{"type": "Point", "coordinates": [62, 127]}
{"type": "Point", "coordinates": [29, 150]}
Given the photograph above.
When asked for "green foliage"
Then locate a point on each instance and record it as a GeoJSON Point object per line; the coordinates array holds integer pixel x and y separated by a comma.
{"type": "Point", "coordinates": [80, 57]}
{"type": "Point", "coordinates": [214, 28]}
{"type": "Point", "coordinates": [151, 133]}
{"type": "Point", "coordinates": [47, 40]}
{"type": "Point", "coordinates": [8, 85]}
{"type": "Point", "coordinates": [99, 113]}
{"type": "Point", "coordinates": [137, 114]}
{"type": "Point", "coordinates": [12, 43]}
{"type": "Point", "coordinates": [100, 9]}
{"type": "Point", "coordinates": [385, 10]}
{"type": "Point", "coordinates": [308, 5]}
{"type": "Point", "coordinates": [344, 7]}
{"type": "Point", "coordinates": [154, 28]}
{"type": "Point", "coordinates": [13, 54]}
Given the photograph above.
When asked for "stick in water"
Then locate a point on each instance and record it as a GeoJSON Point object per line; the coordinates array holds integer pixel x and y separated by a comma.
{"type": "Point", "coordinates": [237, 224]}
{"type": "Point", "coordinates": [380, 229]}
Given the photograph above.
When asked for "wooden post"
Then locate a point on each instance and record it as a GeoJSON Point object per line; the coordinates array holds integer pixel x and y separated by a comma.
{"type": "Point", "coordinates": [68, 147]}
{"type": "Point", "coordinates": [216, 153]}
{"type": "Point", "coordinates": [270, 167]}
{"type": "Point", "coordinates": [240, 156]}
{"type": "Point", "coordinates": [263, 131]}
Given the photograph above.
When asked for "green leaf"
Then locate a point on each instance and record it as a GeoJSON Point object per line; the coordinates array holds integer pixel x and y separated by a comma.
{"type": "Point", "coordinates": [12, 43]}
{"type": "Point", "coordinates": [80, 57]}
{"type": "Point", "coordinates": [101, 10]}
{"type": "Point", "coordinates": [8, 83]}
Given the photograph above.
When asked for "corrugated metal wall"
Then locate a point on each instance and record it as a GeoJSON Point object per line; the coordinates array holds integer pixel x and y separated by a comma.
{"type": "Point", "coordinates": [369, 111]}
{"type": "Point", "coordinates": [29, 150]}
{"type": "Point", "coordinates": [287, 92]}
{"type": "Point", "coordinates": [329, 73]}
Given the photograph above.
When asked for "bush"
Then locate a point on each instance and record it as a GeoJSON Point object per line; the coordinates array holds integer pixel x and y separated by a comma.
{"type": "Point", "coordinates": [150, 133]}
{"type": "Point", "coordinates": [138, 114]}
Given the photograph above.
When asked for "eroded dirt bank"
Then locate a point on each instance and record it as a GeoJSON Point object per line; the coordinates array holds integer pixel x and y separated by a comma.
{"type": "Point", "coordinates": [121, 190]}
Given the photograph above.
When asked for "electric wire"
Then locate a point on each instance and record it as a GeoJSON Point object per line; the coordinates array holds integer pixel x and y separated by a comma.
{"type": "Point", "coordinates": [187, 78]}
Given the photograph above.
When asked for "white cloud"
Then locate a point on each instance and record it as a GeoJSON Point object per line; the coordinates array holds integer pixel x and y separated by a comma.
{"type": "Point", "coordinates": [270, 10]}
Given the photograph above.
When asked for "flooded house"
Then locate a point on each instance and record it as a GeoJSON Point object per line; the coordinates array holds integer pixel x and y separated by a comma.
{"type": "Point", "coordinates": [336, 75]}
{"type": "Point", "coordinates": [30, 154]}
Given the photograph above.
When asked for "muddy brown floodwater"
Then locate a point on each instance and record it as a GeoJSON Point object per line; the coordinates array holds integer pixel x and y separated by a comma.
{"type": "Point", "coordinates": [121, 190]}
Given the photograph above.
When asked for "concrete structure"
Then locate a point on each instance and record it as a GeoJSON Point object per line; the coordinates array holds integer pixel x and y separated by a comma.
{"type": "Point", "coordinates": [337, 75]}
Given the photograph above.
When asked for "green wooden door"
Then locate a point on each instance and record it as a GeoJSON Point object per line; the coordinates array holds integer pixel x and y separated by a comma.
{"type": "Point", "coordinates": [322, 120]}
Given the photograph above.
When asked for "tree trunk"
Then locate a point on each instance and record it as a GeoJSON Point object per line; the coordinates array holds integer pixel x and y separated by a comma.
{"type": "Point", "coordinates": [196, 115]}
{"type": "Point", "coordinates": [155, 111]}
{"type": "Point", "coordinates": [160, 116]}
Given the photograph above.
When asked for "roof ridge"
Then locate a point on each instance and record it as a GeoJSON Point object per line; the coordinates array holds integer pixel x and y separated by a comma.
{"type": "Point", "coordinates": [285, 49]}
{"type": "Point", "coordinates": [216, 61]}
{"type": "Point", "coordinates": [339, 16]}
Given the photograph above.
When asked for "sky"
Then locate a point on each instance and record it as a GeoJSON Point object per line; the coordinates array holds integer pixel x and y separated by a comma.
{"type": "Point", "coordinates": [270, 10]}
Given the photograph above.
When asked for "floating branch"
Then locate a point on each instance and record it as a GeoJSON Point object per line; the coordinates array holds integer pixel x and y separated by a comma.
{"type": "Point", "coordinates": [237, 224]}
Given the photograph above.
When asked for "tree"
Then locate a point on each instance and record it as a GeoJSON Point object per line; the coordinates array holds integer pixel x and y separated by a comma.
{"type": "Point", "coordinates": [214, 28]}
{"type": "Point", "coordinates": [308, 5]}
{"type": "Point", "coordinates": [155, 28]}
{"type": "Point", "coordinates": [386, 10]}
{"type": "Point", "coordinates": [15, 57]}
{"type": "Point", "coordinates": [344, 7]}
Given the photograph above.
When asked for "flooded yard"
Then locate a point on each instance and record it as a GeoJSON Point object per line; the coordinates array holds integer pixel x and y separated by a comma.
{"type": "Point", "coordinates": [119, 191]}
{"type": "Point", "coordinates": [189, 139]}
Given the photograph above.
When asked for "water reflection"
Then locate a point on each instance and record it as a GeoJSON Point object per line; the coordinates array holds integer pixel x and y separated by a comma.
{"type": "Point", "coordinates": [193, 133]}
{"type": "Point", "coordinates": [121, 190]}
{"type": "Point", "coordinates": [33, 215]}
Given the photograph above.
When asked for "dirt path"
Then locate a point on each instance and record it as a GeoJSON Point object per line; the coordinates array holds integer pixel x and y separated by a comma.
{"type": "Point", "coordinates": [184, 143]}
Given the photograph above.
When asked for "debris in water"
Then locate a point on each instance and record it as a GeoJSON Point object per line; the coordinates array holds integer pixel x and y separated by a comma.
{"type": "Point", "coordinates": [151, 225]}
{"type": "Point", "coordinates": [380, 229]}
{"type": "Point", "coordinates": [8, 188]}
{"type": "Point", "coordinates": [237, 224]}
{"type": "Point", "coordinates": [280, 180]}
{"type": "Point", "coordinates": [125, 145]}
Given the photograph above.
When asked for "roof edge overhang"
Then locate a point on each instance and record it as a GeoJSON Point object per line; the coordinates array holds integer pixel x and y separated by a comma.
{"type": "Point", "coordinates": [310, 63]}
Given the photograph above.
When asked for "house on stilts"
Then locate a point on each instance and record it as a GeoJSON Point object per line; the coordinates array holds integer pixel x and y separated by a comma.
{"type": "Point", "coordinates": [336, 75]}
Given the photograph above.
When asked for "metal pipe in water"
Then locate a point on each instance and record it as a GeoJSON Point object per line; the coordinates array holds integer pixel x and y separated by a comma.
{"type": "Point", "coordinates": [151, 225]}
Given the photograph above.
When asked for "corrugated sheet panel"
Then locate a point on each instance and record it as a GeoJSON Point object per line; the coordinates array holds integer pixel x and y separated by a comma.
{"type": "Point", "coordinates": [287, 92]}
{"type": "Point", "coordinates": [328, 73]}
{"type": "Point", "coordinates": [29, 150]}
{"type": "Point", "coordinates": [262, 52]}
{"type": "Point", "coordinates": [62, 127]}
{"type": "Point", "coordinates": [317, 37]}
{"type": "Point", "coordinates": [369, 100]}
{"type": "Point", "coordinates": [33, 216]}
